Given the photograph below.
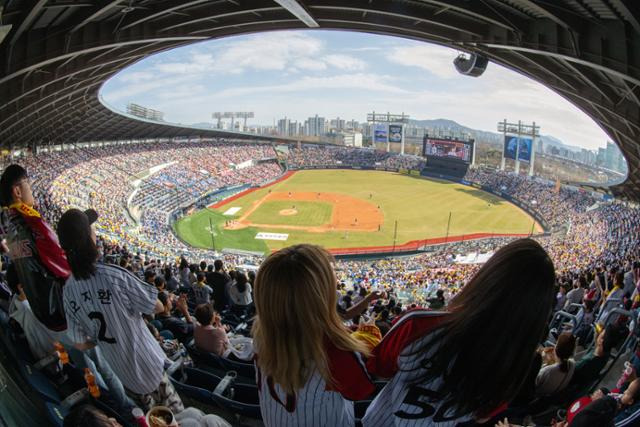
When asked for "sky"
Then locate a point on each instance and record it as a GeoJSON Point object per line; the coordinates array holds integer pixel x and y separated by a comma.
{"type": "Point", "coordinates": [298, 74]}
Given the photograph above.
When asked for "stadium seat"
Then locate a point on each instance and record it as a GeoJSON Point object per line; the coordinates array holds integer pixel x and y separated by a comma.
{"type": "Point", "coordinates": [55, 413]}
{"type": "Point", "coordinates": [40, 383]}
{"type": "Point", "coordinates": [204, 359]}
{"type": "Point", "coordinates": [239, 398]}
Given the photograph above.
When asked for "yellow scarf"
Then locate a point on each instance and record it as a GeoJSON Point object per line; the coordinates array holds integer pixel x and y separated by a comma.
{"type": "Point", "coordinates": [24, 209]}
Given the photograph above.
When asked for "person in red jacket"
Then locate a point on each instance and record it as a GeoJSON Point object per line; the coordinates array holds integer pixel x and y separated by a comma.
{"type": "Point", "coordinates": [33, 246]}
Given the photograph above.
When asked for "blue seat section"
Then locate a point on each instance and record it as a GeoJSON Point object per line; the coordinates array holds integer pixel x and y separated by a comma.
{"type": "Point", "coordinates": [56, 413]}
{"type": "Point", "coordinates": [40, 383]}
{"type": "Point", "coordinates": [197, 384]}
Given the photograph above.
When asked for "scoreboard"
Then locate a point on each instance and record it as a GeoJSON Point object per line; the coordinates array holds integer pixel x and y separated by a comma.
{"type": "Point", "coordinates": [453, 149]}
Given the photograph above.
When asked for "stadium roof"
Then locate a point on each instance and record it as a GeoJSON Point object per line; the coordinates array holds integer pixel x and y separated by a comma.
{"type": "Point", "coordinates": [55, 54]}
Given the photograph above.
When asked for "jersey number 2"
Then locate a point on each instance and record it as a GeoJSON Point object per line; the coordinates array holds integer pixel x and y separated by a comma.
{"type": "Point", "coordinates": [102, 333]}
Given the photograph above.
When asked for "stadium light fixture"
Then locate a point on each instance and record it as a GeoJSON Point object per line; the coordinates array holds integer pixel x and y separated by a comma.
{"type": "Point", "coordinates": [4, 29]}
{"type": "Point", "coordinates": [299, 12]}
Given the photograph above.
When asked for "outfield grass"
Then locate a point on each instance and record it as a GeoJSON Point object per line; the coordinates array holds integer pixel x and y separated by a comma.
{"type": "Point", "coordinates": [420, 206]}
{"type": "Point", "coordinates": [194, 229]}
{"type": "Point", "coordinates": [309, 213]}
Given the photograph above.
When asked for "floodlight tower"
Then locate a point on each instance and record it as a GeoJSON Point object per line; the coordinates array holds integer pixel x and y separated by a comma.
{"type": "Point", "coordinates": [522, 132]}
{"type": "Point", "coordinates": [232, 115]}
{"type": "Point", "coordinates": [390, 121]}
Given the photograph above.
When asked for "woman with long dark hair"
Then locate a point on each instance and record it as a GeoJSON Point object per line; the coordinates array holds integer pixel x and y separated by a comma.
{"type": "Point", "coordinates": [104, 304]}
{"type": "Point", "coordinates": [467, 363]}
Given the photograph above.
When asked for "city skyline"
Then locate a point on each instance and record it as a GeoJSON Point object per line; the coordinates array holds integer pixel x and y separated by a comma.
{"type": "Point", "coordinates": [298, 74]}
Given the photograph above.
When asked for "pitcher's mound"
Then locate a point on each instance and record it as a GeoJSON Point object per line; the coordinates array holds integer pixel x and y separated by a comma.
{"type": "Point", "coordinates": [288, 212]}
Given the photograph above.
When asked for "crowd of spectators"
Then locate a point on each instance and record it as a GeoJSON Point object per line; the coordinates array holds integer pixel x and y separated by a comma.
{"type": "Point", "coordinates": [593, 245]}
{"type": "Point", "coordinates": [105, 177]}
{"type": "Point", "coordinates": [337, 156]}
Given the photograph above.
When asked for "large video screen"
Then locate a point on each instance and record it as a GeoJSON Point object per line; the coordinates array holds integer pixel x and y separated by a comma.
{"type": "Point", "coordinates": [381, 132]}
{"type": "Point", "coordinates": [447, 148]}
{"type": "Point", "coordinates": [520, 147]}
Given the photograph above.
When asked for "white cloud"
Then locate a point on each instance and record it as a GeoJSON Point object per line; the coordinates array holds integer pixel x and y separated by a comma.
{"type": "Point", "coordinates": [309, 64]}
{"type": "Point", "coordinates": [135, 76]}
{"type": "Point", "coordinates": [345, 62]}
{"type": "Point", "coordinates": [299, 74]}
{"type": "Point", "coordinates": [436, 60]}
{"type": "Point", "coordinates": [372, 82]}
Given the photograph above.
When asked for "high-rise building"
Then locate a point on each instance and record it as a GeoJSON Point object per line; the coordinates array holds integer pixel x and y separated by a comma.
{"type": "Point", "coordinates": [284, 126]}
{"type": "Point", "coordinates": [611, 156]}
{"type": "Point", "coordinates": [337, 125]}
{"type": "Point", "coordinates": [315, 126]}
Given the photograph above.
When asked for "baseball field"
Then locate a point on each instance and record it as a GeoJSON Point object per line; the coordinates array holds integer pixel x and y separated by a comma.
{"type": "Point", "coordinates": [346, 209]}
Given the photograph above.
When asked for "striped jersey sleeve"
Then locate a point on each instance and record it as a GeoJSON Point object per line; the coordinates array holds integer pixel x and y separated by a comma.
{"type": "Point", "coordinates": [410, 327]}
{"type": "Point", "coordinates": [138, 296]}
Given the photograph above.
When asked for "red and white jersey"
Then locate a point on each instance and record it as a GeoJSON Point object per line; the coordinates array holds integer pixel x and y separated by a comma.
{"type": "Point", "coordinates": [402, 402]}
{"type": "Point", "coordinates": [318, 403]}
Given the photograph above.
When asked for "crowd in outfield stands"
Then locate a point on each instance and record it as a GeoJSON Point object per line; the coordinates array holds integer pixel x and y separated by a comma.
{"type": "Point", "coordinates": [311, 155]}
{"type": "Point", "coordinates": [423, 322]}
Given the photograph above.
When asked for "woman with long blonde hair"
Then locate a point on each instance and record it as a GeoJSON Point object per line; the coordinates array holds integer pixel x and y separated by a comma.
{"type": "Point", "coordinates": [309, 366]}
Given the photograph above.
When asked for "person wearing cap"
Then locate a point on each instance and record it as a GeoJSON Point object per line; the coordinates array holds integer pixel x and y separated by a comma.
{"type": "Point", "coordinates": [39, 261]}
{"type": "Point", "coordinates": [104, 305]}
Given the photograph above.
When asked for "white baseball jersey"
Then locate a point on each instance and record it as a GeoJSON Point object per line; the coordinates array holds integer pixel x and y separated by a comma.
{"type": "Point", "coordinates": [402, 402]}
{"type": "Point", "coordinates": [201, 294]}
{"type": "Point", "coordinates": [106, 309]}
{"type": "Point", "coordinates": [318, 403]}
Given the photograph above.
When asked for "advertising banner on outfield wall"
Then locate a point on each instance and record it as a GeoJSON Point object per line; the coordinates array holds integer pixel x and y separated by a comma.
{"type": "Point", "coordinates": [380, 132]}
{"type": "Point", "coordinates": [395, 133]}
{"type": "Point", "coordinates": [524, 152]}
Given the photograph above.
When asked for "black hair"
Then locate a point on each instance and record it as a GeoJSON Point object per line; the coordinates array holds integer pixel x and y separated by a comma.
{"type": "Point", "coordinates": [148, 274]}
{"type": "Point", "coordinates": [204, 314]}
{"type": "Point", "coordinates": [200, 276]}
{"type": "Point", "coordinates": [210, 268]}
{"type": "Point", "coordinates": [218, 264]}
{"type": "Point", "coordinates": [82, 256]}
{"type": "Point", "coordinates": [163, 297]}
{"type": "Point", "coordinates": [11, 175]}
{"type": "Point", "coordinates": [347, 301]}
{"type": "Point", "coordinates": [203, 265]}
{"type": "Point", "coordinates": [159, 282]}
{"type": "Point", "coordinates": [184, 263]}
{"type": "Point", "coordinates": [565, 346]}
{"type": "Point", "coordinates": [241, 282]}
{"type": "Point", "coordinates": [86, 415]}
{"type": "Point", "coordinates": [500, 314]}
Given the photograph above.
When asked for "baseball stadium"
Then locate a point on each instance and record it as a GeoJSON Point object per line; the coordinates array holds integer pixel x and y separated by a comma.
{"type": "Point", "coordinates": [333, 208]}
{"type": "Point", "coordinates": [156, 274]}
